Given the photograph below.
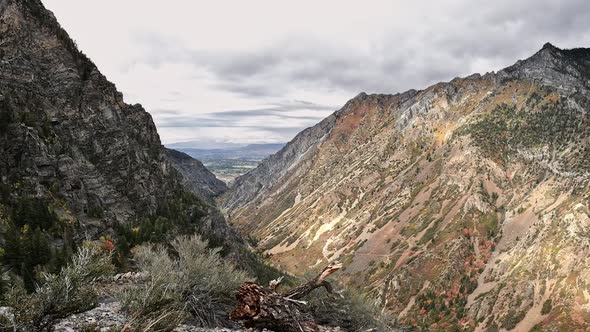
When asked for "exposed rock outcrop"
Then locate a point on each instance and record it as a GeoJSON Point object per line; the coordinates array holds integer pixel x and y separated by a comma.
{"type": "Point", "coordinates": [110, 317]}
{"type": "Point", "coordinates": [195, 176]}
{"type": "Point", "coordinates": [67, 133]}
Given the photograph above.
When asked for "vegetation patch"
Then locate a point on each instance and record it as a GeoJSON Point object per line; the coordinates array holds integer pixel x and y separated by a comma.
{"type": "Point", "coordinates": [512, 319]}
{"type": "Point", "coordinates": [188, 280]}
{"type": "Point", "coordinates": [59, 295]}
{"type": "Point", "coordinates": [547, 306]}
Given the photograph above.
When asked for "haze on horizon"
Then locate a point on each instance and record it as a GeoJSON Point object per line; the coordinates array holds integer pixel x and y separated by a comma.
{"type": "Point", "coordinates": [261, 71]}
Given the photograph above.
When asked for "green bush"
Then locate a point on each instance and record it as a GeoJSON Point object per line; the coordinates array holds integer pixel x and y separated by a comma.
{"type": "Point", "coordinates": [351, 311]}
{"type": "Point", "coordinates": [490, 222]}
{"type": "Point", "coordinates": [512, 319]}
{"type": "Point", "coordinates": [190, 280]}
{"type": "Point", "coordinates": [59, 295]}
{"type": "Point", "coordinates": [547, 306]}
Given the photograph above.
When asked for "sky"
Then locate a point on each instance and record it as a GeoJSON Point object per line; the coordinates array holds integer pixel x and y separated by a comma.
{"type": "Point", "coordinates": [213, 73]}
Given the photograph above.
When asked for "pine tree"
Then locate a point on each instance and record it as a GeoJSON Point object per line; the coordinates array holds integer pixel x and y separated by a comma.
{"type": "Point", "coordinates": [12, 246]}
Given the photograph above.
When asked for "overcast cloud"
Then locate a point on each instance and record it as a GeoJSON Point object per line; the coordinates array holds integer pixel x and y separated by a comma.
{"type": "Point", "coordinates": [261, 71]}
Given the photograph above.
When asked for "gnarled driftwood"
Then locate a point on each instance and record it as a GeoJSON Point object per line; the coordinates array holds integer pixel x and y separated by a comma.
{"type": "Point", "coordinates": [263, 307]}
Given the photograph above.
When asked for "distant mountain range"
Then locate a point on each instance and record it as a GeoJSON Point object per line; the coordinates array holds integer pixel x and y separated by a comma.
{"type": "Point", "coordinates": [216, 145]}
{"type": "Point", "coordinates": [234, 151]}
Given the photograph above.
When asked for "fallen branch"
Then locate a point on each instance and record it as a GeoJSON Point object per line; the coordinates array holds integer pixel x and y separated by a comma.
{"type": "Point", "coordinates": [263, 307]}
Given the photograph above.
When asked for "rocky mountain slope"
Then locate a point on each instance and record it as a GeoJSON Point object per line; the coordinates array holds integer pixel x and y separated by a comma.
{"type": "Point", "coordinates": [76, 161]}
{"type": "Point", "coordinates": [465, 204]}
{"type": "Point", "coordinates": [195, 176]}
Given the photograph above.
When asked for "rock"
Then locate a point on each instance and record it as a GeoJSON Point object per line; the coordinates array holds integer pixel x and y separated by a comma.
{"type": "Point", "coordinates": [109, 317]}
{"type": "Point", "coordinates": [82, 142]}
{"type": "Point", "coordinates": [105, 317]}
{"type": "Point", "coordinates": [196, 177]}
{"type": "Point", "coordinates": [6, 314]}
{"type": "Point", "coordinates": [189, 328]}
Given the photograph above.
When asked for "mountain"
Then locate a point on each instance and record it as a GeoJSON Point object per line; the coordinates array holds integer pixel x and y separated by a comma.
{"type": "Point", "coordinates": [79, 163]}
{"type": "Point", "coordinates": [196, 177]}
{"type": "Point", "coordinates": [463, 205]}
{"type": "Point", "coordinates": [251, 151]}
{"type": "Point", "coordinates": [205, 145]}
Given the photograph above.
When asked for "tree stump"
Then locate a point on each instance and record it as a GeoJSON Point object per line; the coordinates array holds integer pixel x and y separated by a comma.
{"type": "Point", "coordinates": [263, 307]}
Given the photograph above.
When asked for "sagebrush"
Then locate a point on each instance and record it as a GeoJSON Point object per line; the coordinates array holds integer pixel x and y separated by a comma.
{"type": "Point", "coordinates": [58, 295]}
{"type": "Point", "coordinates": [186, 281]}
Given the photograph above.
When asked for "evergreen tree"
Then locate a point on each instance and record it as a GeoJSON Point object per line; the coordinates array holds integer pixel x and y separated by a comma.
{"type": "Point", "coordinates": [12, 246]}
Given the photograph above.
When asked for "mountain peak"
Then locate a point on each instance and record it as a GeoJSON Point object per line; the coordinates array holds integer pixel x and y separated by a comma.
{"type": "Point", "coordinates": [562, 69]}
{"type": "Point", "coordinates": [549, 46]}
{"type": "Point", "coordinates": [548, 51]}
{"type": "Point", "coordinates": [361, 96]}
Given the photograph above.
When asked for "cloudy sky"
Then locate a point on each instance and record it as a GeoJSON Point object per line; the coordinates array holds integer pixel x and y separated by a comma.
{"type": "Point", "coordinates": [260, 71]}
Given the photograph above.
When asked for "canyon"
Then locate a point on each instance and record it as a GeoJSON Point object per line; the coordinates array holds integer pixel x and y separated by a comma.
{"type": "Point", "coordinates": [462, 206]}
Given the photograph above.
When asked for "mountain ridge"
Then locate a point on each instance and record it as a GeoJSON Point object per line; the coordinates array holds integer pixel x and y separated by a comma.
{"type": "Point", "coordinates": [447, 203]}
{"type": "Point", "coordinates": [547, 52]}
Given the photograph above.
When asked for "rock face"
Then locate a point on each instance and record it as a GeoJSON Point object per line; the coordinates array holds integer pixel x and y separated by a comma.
{"type": "Point", "coordinates": [66, 132]}
{"type": "Point", "coordinates": [464, 204]}
{"type": "Point", "coordinates": [195, 176]}
{"type": "Point", "coordinates": [67, 136]}
{"type": "Point", "coordinates": [69, 141]}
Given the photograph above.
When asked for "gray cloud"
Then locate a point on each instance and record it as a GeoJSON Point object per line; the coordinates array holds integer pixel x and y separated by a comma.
{"type": "Point", "coordinates": [498, 33]}
{"type": "Point", "coordinates": [405, 46]}
{"type": "Point", "coordinates": [166, 111]}
{"type": "Point", "coordinates": [262, 112]}
{"type": "Point", "coordinates": [235, 118]}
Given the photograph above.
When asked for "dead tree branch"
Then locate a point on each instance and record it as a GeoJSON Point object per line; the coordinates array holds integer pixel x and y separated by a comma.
{"type": "Point", "coordinates": [263, 307]}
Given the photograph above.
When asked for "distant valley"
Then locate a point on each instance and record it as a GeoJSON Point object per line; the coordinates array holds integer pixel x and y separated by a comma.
{"type": "Point", "coordinates": [227, 163]}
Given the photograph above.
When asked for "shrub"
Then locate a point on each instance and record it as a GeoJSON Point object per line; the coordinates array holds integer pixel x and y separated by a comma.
{"type": "Point", "coordinates": [547, 306]}
{"type": "Point", "coordinates": [189, 280]}
{"type": "Point", "coordinates": [512, 319]}
{"type": "Point", "coordinates": [154, 305]}
{"type": "Point", "coordinates": [253, 241]}
{"type": "Point", "coordinates": [351, 311]}
{"type": "Point", "coordinates": [59, 295]}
